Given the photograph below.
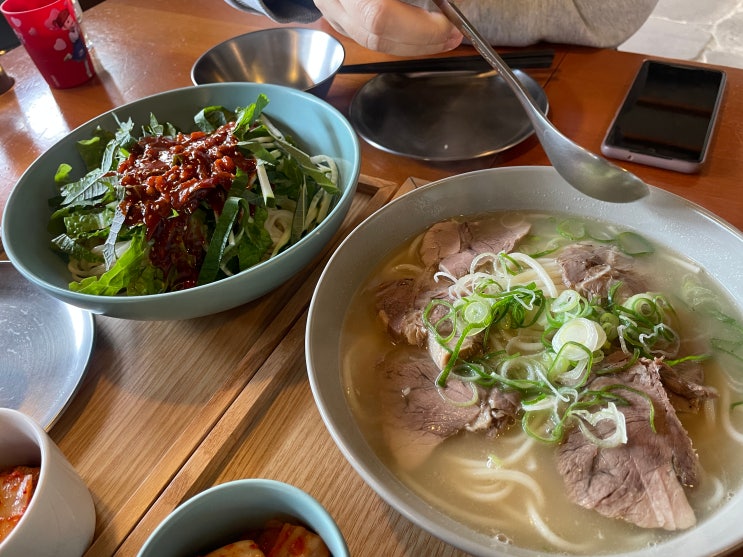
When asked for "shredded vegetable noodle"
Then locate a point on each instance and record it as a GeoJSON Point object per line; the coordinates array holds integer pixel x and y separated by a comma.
{"type": "Point", "coordinates": [164, 210]}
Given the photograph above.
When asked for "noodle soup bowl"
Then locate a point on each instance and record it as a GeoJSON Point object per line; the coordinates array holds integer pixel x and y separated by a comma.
{"type": "Point", "coordinates": [676, 224]}
{"type": "Point", "coordinates": [317, 127]}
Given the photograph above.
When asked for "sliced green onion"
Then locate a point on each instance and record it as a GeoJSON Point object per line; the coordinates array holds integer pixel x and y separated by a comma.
{"type": "Point", "coordinates": [477, 313]}
{"type": "Point", "coordinates": [577, 376]}
{"type": "Point", "coordinates": [474, 399]}
{"type": "Point", "coordinates": [263, 181]}
{"type": "Point", "coordinates": [632, 243]}
{"type": "Point", "coordinates": [647, 305]}
{"type": "Point", "coordinates": [572, 229]}
{"type": "Point", "coordinates": [579, 331]}
{"type": "Point", "coordinates": [566, 302]}
{"type": "Point", "coordinates": [611, 413]}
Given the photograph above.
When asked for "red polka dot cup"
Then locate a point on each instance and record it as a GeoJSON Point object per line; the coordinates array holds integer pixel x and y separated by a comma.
{"type": "Point", "coordinates": [51, 34]}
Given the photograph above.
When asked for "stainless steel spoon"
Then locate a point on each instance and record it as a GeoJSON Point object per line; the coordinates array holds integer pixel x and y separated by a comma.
{"type": "Point", "coordinates": [582, 169]}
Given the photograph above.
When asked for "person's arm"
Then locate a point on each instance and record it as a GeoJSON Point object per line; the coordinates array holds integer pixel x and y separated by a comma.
{"type": "Point", "coordinates": [391, 26]}
{"type": "Point", "coordinates": [600, 23]}
{"type": "Point", "coordinates": [416, 27]}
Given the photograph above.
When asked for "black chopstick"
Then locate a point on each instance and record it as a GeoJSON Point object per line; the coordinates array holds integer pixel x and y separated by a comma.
{"type": "Point", "coordinates": [517, 59]}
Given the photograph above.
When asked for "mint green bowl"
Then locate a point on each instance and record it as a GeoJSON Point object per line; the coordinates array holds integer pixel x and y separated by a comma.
{"type": "Point", "coordinates": [315, 125]}
{"type": "Point", "coordinates": [222, 514]}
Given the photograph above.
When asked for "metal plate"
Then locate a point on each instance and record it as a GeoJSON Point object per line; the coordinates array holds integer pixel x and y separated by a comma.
{"type": "Point", "coordinates": [45, 346]}
{"type": "Point", "coordinates": [443, 117]}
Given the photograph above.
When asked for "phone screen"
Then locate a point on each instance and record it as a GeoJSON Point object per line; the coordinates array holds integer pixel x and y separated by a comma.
{"type": "Point", "coordinates": [668, 112]}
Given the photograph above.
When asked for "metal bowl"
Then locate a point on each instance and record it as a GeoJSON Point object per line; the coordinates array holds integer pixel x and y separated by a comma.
{"type": "Point", "coordinates": [305, 59]}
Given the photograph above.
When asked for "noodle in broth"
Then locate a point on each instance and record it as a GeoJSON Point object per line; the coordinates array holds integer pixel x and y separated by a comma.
{"type": "Point", "coordinates": [508, 486]}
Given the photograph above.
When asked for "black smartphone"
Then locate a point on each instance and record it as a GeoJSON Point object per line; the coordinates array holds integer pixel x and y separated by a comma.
{"type": "Point", "coordinates": [668, 116]}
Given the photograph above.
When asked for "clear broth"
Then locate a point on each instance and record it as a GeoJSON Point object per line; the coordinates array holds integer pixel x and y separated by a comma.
{"type": "Point", "coordinates": [457, 478]}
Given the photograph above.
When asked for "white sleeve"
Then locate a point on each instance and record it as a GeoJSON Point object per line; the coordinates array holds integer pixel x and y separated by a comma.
{"type": "Point", "coordinates": [281, 11]}
{"type": "Point", "coordinates": [599, 23]}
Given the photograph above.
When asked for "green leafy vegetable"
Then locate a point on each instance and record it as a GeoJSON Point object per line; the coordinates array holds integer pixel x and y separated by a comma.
{"type": "Point", "coordinates": [134, 228]}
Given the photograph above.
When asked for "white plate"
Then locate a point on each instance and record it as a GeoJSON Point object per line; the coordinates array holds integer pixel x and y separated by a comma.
{"type": "Point", "coordinates": [443, 117]}
{"type": "Point", "coordinates": [45, 346]}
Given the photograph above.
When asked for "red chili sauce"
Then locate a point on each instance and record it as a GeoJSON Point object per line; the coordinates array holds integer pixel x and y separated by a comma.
{"type": "Point", "coordinates": [166, 179]}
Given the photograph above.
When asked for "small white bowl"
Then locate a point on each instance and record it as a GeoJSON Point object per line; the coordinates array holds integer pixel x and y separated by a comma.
{"type": "Point", "coordinates": [60, 520]}
{"type": "Point", "coordinates": [222, 514]}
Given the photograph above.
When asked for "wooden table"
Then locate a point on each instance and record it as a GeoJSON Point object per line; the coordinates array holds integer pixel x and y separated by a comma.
{"type": "Point", "coordinates": [168, 409]}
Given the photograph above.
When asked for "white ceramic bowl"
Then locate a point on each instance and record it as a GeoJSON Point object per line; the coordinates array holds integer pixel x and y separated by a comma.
{"type": "Point", "coordinates": [223, 513]}
{"type": "Point", "coordinates": [662, 217]}
{"type": "Point", "coordinates": [315, 125]}
{"type": "Point", "coordinates": [60, 520]}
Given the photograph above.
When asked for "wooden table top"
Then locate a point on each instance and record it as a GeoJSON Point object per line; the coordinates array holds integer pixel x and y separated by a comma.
{"type": "Point", "coordinates": [169, 408]}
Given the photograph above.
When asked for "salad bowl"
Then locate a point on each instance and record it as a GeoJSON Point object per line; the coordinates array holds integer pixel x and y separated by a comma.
{"type": "Point", "coordinates": [315, 126]}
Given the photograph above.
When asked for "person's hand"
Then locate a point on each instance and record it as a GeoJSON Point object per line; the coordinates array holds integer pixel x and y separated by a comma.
{"type": "Point", "coordinates": [391, 26]}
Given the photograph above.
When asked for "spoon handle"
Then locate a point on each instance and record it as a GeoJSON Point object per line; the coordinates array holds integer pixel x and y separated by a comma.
{"type": "Point", "coordinates": [454, 15]}
{"type": "Point", "coordinates": [582, 169]}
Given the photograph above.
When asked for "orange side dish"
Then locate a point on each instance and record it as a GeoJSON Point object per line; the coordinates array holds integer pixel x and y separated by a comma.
{"type": "Point", "coordinates": [17, 485]}
{"type": "Point", "coordinates": [291, 540]}
{"type": "Point", "coordinates": [277, 539]}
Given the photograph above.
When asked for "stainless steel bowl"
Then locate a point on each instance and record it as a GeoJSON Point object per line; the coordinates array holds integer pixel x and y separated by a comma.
{"type": "Point", "coordinates": [305, 59]}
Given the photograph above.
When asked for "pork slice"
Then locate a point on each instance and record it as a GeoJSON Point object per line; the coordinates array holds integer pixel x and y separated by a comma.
{"type": "Point", "coordinates": [505, 409]}
{"type": "Point", "coordinates": [498, 412]}
{"type": "Point", "coordinates": [449, 246]}
{"type": "Point", "coordinates": [685, 386]}
{"type": "Point", "coordinates": [684, 382]}
{"type": "Point", "coordinates": [492, 236]}
{"type": "Point", "coordinates": [396, 308]}
{"type": "Point", "coordinates": [400, 305]}
{"type": "Point", "coordinates": [482, 236]}
{"type": "Point", "coordinates": [643, 480]}
{"type": "Point", "coordinates": [458, 264]}
{"type": "Point", "coordinates": [416, 418]}
{"type": "Point", "coordinates": [440, 241]}
{"type": "Point", "coordinates": [441, 354]}
{"type": "Point", "coordinates": [593, 269]}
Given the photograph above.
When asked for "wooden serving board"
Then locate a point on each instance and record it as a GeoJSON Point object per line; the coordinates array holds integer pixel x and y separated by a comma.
{"type": "Point", "coordinates": [266, 424]}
